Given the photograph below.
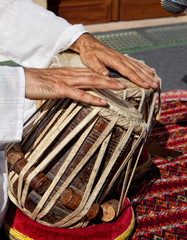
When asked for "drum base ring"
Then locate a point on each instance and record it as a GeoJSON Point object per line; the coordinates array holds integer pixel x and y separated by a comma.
{"type": "Point", "coordinates": [18, 227]}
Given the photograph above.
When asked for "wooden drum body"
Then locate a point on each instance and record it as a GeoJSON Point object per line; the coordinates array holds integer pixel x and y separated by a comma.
{"type": "Point", "coordinates": [70, 159]}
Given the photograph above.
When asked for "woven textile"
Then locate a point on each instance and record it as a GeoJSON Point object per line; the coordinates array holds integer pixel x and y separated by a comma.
{"type": "Point", "coordinates": [159, 198]}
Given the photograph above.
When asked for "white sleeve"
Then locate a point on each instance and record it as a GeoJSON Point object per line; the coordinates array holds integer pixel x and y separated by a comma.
{"type": "Point", "coordinates": [12, 97]}
{"type": "Point", "coordinates": [31, 35]}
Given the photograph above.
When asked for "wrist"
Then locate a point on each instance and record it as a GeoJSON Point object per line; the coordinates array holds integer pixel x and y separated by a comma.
{"type": "Point", "coordinates": [81, 42]}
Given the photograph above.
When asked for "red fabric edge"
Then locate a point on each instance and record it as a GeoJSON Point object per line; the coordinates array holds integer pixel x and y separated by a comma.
{"type": "Point", "coordinates": [32, 229]}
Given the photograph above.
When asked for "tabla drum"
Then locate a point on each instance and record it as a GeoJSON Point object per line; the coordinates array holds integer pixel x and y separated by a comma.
{"type": "Point", "coordinates": [67, 170]}
{"type": "Point", "coordinates": [144, 100]}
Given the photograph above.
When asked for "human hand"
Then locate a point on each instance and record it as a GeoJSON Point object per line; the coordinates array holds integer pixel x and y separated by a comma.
{"type": "Point", "coordinates": [98, 57]}
{"type": "Point", "coordinates": [67, 82]}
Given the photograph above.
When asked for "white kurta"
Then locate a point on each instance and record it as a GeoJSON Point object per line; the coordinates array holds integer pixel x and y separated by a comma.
{"type": "Point", "coordinates": [30, 36]}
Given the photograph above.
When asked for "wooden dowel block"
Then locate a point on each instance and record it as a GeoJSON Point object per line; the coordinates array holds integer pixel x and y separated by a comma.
{"type": "Point", "coordinates": [108, 210]}
{"type": "Point", "coordinates": [71, 200]}
{"type": "Point", "coordinates": [14, 154]}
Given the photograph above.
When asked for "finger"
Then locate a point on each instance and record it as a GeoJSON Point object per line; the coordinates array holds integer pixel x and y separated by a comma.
{"type": "Point", "coordinates": [150, 72]}
{"type": "Point", "coordinates": [144, 78]}
{"type": "Point", "coordinates": [135, 73]}
{"type": "Point", "coordinates": [141, 77]}
{"type": "Point", "coordinates": [139, 63]}
{"type": "Point", "coordinates": [94, 81]}
{"type": "Point", "coordinates": [98, 66]}
{"type": "Point", "coordinates": [134, 70]}
{"type": "Point", "coordinates": [83, 96]}
{"type": "Point", "coordinates": [66, 73]}
{"type": "Point", "coordinates": [59, 72]}
{"type": "Point", "coordinates": [74, 70]}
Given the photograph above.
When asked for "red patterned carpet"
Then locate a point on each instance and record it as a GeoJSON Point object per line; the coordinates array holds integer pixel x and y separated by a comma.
{"type": "Point", "coordinates": [159, 198]}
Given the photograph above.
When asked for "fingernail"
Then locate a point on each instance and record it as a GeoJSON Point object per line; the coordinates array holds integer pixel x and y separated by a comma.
{"type": "Point", "coordinates": [121, 84]}
{"type": "Point", "coordinates": [146, 84]}
{"type": "Point", "coordinates": [105, 73]}
{"type": "Point", "coordinates": [107, 106]}
{"type": "Point", "coordinates": [104, 101]}
{"type": "Point", "coordinates": [155, 84]}
{"type": "Point", "coordinates": [156, 80]}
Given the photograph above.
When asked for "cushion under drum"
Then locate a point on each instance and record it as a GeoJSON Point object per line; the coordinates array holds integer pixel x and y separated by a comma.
{"type": "Point", "coordinates": [18, 226]}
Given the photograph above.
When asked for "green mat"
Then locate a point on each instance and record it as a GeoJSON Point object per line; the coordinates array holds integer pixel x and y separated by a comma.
{"type": "Point", "coordinates": [8, 63]}
{"type": "Point", "coordinates": [125, 41]}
